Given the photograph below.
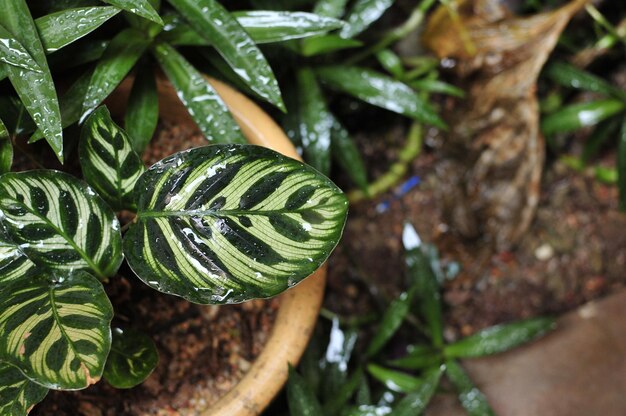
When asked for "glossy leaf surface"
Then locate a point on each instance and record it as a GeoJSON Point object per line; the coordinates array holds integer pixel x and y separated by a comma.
{"type": "Point", "coordinates": [394, 380]}
{"type": "Point", "coordinates": [35, 88]}
{"type": "Point", "coordinates": [472, 399]}
{"type": "Point", "coordinates": [416, 401]}
{"type": "Point", "coordinates": [221, 29]}
{"type": "Point", "coordinates": [66, 26]}
{"type": "Point", "coordinates": [141, 8]}
{"type": "Point", "coordinates": [14, 264]}
{"type": "Point", "coordinates": [59, 222]}
{"type": "Point", "coordinates": [301, 399]}
{"type": "Point", "coordinates": [204, 105]}
{"type": "Point", "coordinates": [319, 45]}
{"type": "Point", "coordinates": [330, 8]}
{"type": "Point", "coordinates": [132, 359]}
{"type": "Point", "coordinates": [17, 393]}
{"type": "Point", "coordinates": [347, 155]}
{"type": "Point", "coordinates": [142, 113]}
{"type": "Point", "coordinates": [108, 161]}
{"type": "Point", "coordinates": [381, 91]}
{"type": "Point", "coordinates": [228, 223]}
{"type": "Point", "coordinates": [55, 329]}
{"type": "Point", "coordinates": [6, 149]}
{"type": "Point", "coordinates": [499, 338]}
{"type": "Point", "coordinates": [120, 56]}
{"type": "Point", "coordinates": [13, 53]}
{"type": "Point", "coordinates": [418, 357]}
{"type": "Point", "coordinates": [363, 14]}
{"type": "Point", "coordinates": [570, 76]}
{"type": "Point", "coordinates": [389, 323]}
{"type": "Point", "coordinates": [271, 26]}
{"type": "Point", "coordinates": [576, 116]}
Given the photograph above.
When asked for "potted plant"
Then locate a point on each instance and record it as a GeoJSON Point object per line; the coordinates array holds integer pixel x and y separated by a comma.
{"type": "Point", "coordinates": [218, 224]}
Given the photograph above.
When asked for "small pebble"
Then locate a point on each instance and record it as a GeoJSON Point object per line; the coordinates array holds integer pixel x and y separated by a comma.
{"type": "Point", "coordinates": [544, 252]}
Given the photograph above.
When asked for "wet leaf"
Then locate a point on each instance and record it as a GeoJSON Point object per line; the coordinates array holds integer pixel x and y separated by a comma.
{"type": "Point", "coordinates": [576, 116]}
{"type": "Point", "coordinates": [204, 105]}
{"type": "Point", "coordinates": [394, 380]}
{"type": "Point", "coordinates": [347, 155]}
{"type": "Point", "coordinates": [415, 402]}
{"type": "Point", "coordinates": [132, 359]}
{"type": "Point", "coordinates": [499, 338]}
{"type": "Point", "coordinates": [14, 264]}
{"type": "Point", "coordinates": [302, 401]}
{"type": "Point", "coordinates": [142, 113]}
{"type": "Point", "coordinates": [424, 282]}
{"type": "Point", "coordinates": [228, 223]}
{"type": "Point", "coordinates": [108, 161]}
{"type": "Point", "coordinates": [389, 323]}
{"type": "Point", "coordinates": [77, 54]}
{"type": "Point", "coordinates": [391, 62]}
{"type": "Point", "coordinates": [35, 88]}
{"type": "Point", "coordinates": [381, 91]}
{"type": "Point", "coordinates": [472, 399]}
{"type": "Point", "coordinates": [319, 45]}
{"type": "Point", "coordinates": [6, 149]}
{"type": "Point", "coordinates": [330, 8]}
{"type": "Point", "coordinates": [17, 393]}
{"type": "Point", "coordinates": [418, 357]}
{"type": "Point", "coordinates": [222, 30]}
{"type": "Point", "coordinates": [335, 363]}
{"type": "Point", "coordinates": [343, 394]}
{"type": "Point", "coordinates": [433, 85]}
{"type": "Point", "coordinates": [120, 56]}
{"type": "Point", "coordinates": [621, 166]}
{"type": "Point", "coordinates": [66, 26]}
{"type": "Point", "coordinates": [315, 121]}
{"type": "Point", "coordinates": [13, 53]}
{"type": "Point", "coordinates": [141, 8]}
{"type": "Point", "coordinates": [570, 76]}
{"type": "Point", "coordinates": [362, 14]}
{"type": "Point", "coordinates": [368, 410]}
{"type": "Point", "coordinates": [270, 26]}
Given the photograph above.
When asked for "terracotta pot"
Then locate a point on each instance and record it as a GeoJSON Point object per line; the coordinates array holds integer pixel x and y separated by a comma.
{"type": "Point", "coordinates": [299, 306]}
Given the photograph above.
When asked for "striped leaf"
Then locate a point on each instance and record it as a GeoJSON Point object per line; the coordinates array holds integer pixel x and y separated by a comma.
{"type": "Point", "coordinates": [59, 222]}
{"type": "Point", "coordinates": [14, 264]}
{"type": "Point", "coordinates": [228, 223]}
{"type": "Point", "coordinates": [56, 329]}
{"type": "Point", "coordinates": [132, 359]}
{"type": "Point", "coordinates": [18, 394]}
{"type": "Point", "coordinates": [108, 160]}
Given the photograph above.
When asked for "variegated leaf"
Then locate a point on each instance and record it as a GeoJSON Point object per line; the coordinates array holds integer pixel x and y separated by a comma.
{"type": "Point", "coordinates": [14, 264]}
{"type": "Point", "coordinates": [59, 222]}
{"type": "Point", "coordinates": [228, 223]}
{"type": "Point", "coordinates": [56, 329]}
{"type": "Point", "coordinates": [108, 160]}
{"type": "Point", "coordinates": [17, 393]}
{"type": "Point", "coordinates": [132, 359]}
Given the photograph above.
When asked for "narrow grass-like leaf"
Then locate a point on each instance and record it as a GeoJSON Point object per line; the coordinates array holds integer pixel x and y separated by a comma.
{"type": "Point", "coordinates": [315, 121]}
{"type": "Point", "coordinates": [363, 14]}
{"type": "Point", "coordinates": [132, 359]}
{"type": "Point", "coordinates": [270, 26]}
{"type": "Point", "coordinates": [319, 45]}
{"type": "Point", "coordinates": [343, 394]}
{"type": "Point", "coordinates": [368, 410]}
{"type": "Point", "coordinates": [6, 149]}
{"type": "Point", "coordinates": [416, 401]}
{"type": "Point", "coordinates": [142, 113]}
{"type": "Point", "coordinates": [570, 76]}
{"type": "Point", "coordinates": [118, 59]}
{"type": "Point", "coordinates": [330, 8]}
{"type": "Point", "coordinates": [228, 223]}
{"type": "Point", "coordinates": [66, 26]}
{"type": "Point", "coordinates": [621, 166]}
{"type": "Point", "coordinates": [13, 53]}
{"type": "Point", "coordinates": [576, 116]}
{"type": "Point", "coordinates": [55, 329]}
{"type": "Point", "coordinates": [391, 62]}
{"type": "Point", "coordinates": [418, 357]}
{"type": "Point", "coordinates": [221, 29]}
{"type": "Point", "coordinates": [35, 88]}
{"type": "Point", "coordinates": [335, 364]}
{"type": "Point", "coordinates": [424, 282]}
{"type": "Point", "coordinates": [302, 401]}
{"type": "Point", "coordinates": [141, 8]}
{"type": "Point", "coordinates": [204, 105]}
{"type": "Point", "coordinates": [18, 394]}
{"type": "Point", "coordinates": [434, 85]}
{"type": "Point", "coordinates": [389, 323]}
{"type": "Point", "coordinates": [59, 222]}
{"type": "Point", "coordinates": [472, 399]}
{"type": "Point", "coordinates": [108, 160]}
{"type": "Point", "coordinates": [347, 155]}
{"type": "Point", "coordinates": [499, 338]}
{"type": "Point", "coordinates": [603, 132]}
{"type": "Point", "coordinates": [381, 91]}
{"type": "Point", "coordinates": [77, 54]}
{"type": "Point", "coordinates": [394, 380]}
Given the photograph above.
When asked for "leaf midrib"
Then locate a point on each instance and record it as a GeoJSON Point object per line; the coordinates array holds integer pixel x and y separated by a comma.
{"type": "Point", "coordinates": [223, 213]}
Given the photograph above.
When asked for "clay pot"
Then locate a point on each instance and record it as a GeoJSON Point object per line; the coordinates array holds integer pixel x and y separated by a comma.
{"type": "Point", "coordinates": [299, 306]}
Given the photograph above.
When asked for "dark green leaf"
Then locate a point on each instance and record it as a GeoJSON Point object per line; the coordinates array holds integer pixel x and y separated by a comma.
{"type": "Point", "coordinates": [141, 8]}
{"type": "Point", "coordinates": [363, 394]}
{"type": "Point", "coordinates": [14, 264]}
{"type": "Point", "coordinates": [108, 160]}
{"type": "Point", "coordinates": [315, 121]}
{"type": "Point", "coordinates": [381, 91]}
{"type": "Point", "coordinates": [343, 394]}
{"type": "Point", "coordinates": [116, 62]}
{"type": "Point", "coordinates": [132, 359]}
{"type": "Point", "coordinates": [64, 27]}
{"type": "Point", "coordinates": [621, 166]}
{"type": "Point", "coordinates": [416, 401]}
{"type": "Point", "coordinates": [424, 282]}
{"type": "Point", "coordinates": [330, 8]}
{"type": "Point", "coordinates": [206, 107]}
{"type": "Point", "coordinates": [472, 399]}
{"type": "Point", "coordinates": [391, 62]}
{"type": "Point", "coordinates": [570, 76]}
{"type": "Point", "coordinates": [77, 54]}
{"type": "Point", "coordinates": [418, 357]}
{"type": "Point", "coordinates": [142, 113]}
{"type": "Point", "coordinates": [269, 26]}
{"type": "Point", "coordinates": [363, 14]}
{"type": "Point", "coordinates": [228, 223]}
{"type": "Point", "coordinates": [59, 222]}
{"type": "Point", "coordinates": [6, 149]}
{"type": "Point", "coordinates": [394, 380]}
{"type": "Point", "coordinates": [389, 323]}
{"type": "Point", "coordinates": [580, 115]}
{"type": "Point", "coordinates": [604, 132]}
{"type": "Point", "coordinates": [499, 338]}
{"type": "Point", "coordinates": [18, 394]}
{"type": "Point", "coordinates": [312, 362]}
{"type": "Point", "coordinates": [35, 89]}
{"type": "Point", "coordinates": [325, 44]}
{"type": "Point", "coordinates": [55, 329]}
{"type": "Point", "coordinates": [13, 53]}
{"type": "Point", "coordinates": [302, 401]}
{"type": "Point", "coordinates": [338, 353]}
{"type": "Point", "coordinates": [434, 85]}
{"type": "Point", "coordinates": [347, 155]}
{"type": "Point", "coordinates": [211, 20]}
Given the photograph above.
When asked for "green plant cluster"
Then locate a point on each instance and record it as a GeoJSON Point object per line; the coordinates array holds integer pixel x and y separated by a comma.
{"type": "Point", "coordinates": [377, 381]}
